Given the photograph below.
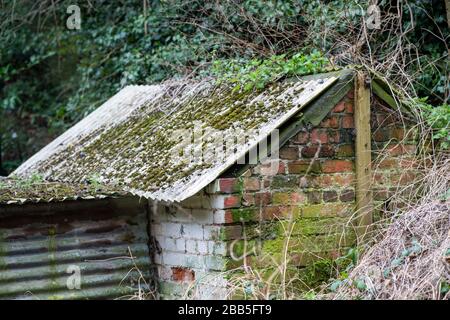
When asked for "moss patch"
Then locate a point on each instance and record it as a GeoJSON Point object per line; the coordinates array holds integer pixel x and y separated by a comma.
{"type": "Point", "coordinates": [244, 215]}
{"type": "Point", "coordinates": [19, 191]}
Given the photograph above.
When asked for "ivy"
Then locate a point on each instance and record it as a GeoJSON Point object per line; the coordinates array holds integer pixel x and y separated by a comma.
{"type": "Point", "coordinates": [438, 118]}
{"type": "Point", "coordinates": [247, 75]}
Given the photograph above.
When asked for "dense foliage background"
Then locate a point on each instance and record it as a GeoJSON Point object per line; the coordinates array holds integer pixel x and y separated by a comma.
{"type": "Point", "coordinates": [51, 77]}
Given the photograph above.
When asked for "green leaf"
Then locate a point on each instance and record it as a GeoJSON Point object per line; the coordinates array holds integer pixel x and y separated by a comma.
{"type": "Point", "coordinates": [335, 285]}
{"type": "Point", "coordinates": [361, 285]}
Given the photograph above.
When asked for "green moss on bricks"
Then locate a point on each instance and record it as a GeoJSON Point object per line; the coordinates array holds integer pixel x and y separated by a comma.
{"type": "Point", "coordinates": [262, 230]}
{"type": "Point", "coordinates": [285, 182]}
{"type": "Point", "coordinates": [229, 233]}
{"type": "Point", "coordinates": [327, 210]}
{"type": "Point", "coordinates": [309, 243]}
{"type": "Point", "coordinates": [273, 248]}
{"type": "Point", "coordinates": [233, 264]}
{"type": "Point", "coordinates": [307, 226]}
{"type": "Point", "coordinates": [240, 186]}
{"type": "Point", "coordinates": [312, 210]}
{"type": "Point", "coordinates": [244, 215]}
{"type": "Point", "coordinates": [244, 248]}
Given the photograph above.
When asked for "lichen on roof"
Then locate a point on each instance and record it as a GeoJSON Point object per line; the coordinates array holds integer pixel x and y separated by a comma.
{"type": "Point", "coordinates": [20, 191]}
{"type": "Point", "coordinates": [129, 141]}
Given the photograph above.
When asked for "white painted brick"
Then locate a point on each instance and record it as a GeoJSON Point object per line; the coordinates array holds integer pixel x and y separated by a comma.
{"type": "Point", "coordinates": [181, 245]}
{"type": "Point", "coordinates": [185, 260]}
{"type": "Point", "coordinates": [168, 244]}
{"type": "Point", "coordinates": [202, 247]}
{"type": "Point", "coordinates": [189, 239]}
{"type": "Point", "coordinates": [215, 263]}
{"type": "Point", "coordinates": [159, 219]}
{"type": "Point", "coordinates": [217, 248]}
{"type": "Point", "coordinates": [174, 258]}
{"type": "Point", "coordinates": [194, 202]}
{"type": "Point", "coordinates": [216, 202]}
{"type": "Point", "coordinates": [191, 246]}
{"type": "Point", "coordinates": [202, 216]}
{"type": "Point", "coordinates": [213, 187]}
{"type": "Point", "coordinates": [171, 244]}
{"type": "Point", "coordinates": [205, 202]}
{"type": "Point", "coordinates": [211, 232]}
{"type": "Point", "coordinates": [210, 247]}
{"type": "Point", "coordinates": [162, 241]}
{"type": "Point", "coordinates": [195, 261]}
{"type": "Point", "coordinates": [172, 230]}
{"type": "Point", "coordinates": [193, 231]}
{"type": "Point", "coordinates": [181, 216]}
{"type": "Point", "coordinates": [219, 216]}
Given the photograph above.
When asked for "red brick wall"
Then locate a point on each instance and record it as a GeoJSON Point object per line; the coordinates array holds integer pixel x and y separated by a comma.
{"type": "Point", "coordinates": [394, 165]}
{"type": "Point", "coordinates": [314, 185]}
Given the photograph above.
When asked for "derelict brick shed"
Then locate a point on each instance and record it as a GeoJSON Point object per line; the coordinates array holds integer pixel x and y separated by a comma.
{"type": "Point", "coordinates": [209, 217]}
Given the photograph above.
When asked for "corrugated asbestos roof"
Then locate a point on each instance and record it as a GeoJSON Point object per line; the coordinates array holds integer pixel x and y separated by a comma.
{"type": "Point", "coordinates": [128, 141]}
{"type": "Point", "coordinates": [17, 191]}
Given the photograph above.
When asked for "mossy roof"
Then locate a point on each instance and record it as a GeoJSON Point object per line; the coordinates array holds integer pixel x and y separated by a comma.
{"type": "Point", "coordinates": [19, 191]}
{"type": "Point", "coordinates": [128, 141]}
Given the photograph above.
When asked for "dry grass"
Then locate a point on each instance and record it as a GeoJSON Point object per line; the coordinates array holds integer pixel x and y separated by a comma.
{"type": "Point", "coordinates": [411, 258]}
{"type": "Point", "coordinates": [143, 288]}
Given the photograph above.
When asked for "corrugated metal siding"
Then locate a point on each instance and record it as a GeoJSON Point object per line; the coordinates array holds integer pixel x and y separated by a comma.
{"type": "Point", "coordinates": [38, 244]}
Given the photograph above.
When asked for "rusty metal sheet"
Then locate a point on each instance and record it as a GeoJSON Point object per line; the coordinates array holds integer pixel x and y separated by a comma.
{"type": "Point", "coordinates": [44, 247]}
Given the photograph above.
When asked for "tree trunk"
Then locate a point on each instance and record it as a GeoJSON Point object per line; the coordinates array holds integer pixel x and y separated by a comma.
{"type": "Point", "coordinates": [447, 6]}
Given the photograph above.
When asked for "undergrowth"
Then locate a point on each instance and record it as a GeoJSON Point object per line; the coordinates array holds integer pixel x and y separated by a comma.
{"type": "Point", "coordinates": [247, 75]}
{"type": "Point", "coordinates": [438, 118]}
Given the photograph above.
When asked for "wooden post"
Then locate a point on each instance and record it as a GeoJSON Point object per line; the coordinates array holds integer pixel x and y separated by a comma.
{"type": "Point", "coordinates": [364, 205]}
